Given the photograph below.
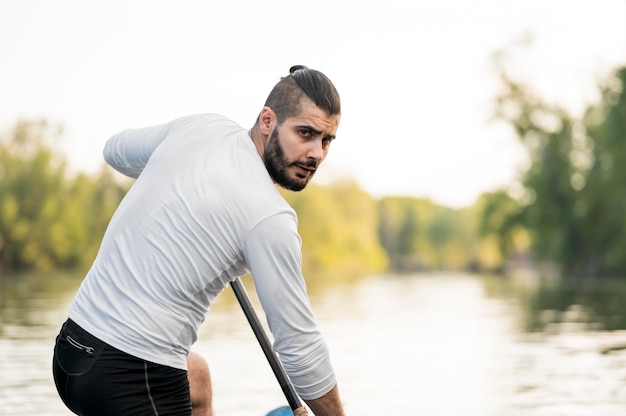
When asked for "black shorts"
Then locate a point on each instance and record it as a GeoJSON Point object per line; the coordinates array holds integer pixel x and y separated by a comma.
{"type": "Point", "coordinates": [94, 379]}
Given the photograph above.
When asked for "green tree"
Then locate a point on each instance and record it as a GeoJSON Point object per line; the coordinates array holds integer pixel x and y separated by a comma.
{"type": "Point", "coordinates": [421, 235]}
{"type": "Point", "coordinates": [605, 178]}
{"type": "Point", "coordinates": [399, 232]}
{"type": "Point", "coordinates": [48, 220]}
{"type": "Point", "coordinates": [501, 235]}
{"type": "Point", "coordinates": [574, 203]}
{"type": "Point", "coordinates": [338, 229]}
{"type": "Point", "coordinates": [446, 235]}
{"type": "Point", "coordinates": [32, 192]}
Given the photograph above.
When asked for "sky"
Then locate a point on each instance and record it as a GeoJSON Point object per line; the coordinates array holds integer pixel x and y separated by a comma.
{"type": "Point", "coordinates": [416, 78]}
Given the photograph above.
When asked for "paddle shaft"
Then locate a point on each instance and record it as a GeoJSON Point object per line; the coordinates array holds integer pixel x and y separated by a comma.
{"type": "Point", "coordinates": [266, 346]}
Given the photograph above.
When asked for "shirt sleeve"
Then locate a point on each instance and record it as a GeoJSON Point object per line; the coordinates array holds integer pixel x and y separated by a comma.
{"type": "Point", "coordinates": [128, 152]}
{"type": "Point", "coordinates": [273, 254]}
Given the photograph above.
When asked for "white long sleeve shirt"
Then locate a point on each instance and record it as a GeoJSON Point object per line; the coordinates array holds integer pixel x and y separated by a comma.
{"type": "Point", "coordinates": [202, 211]}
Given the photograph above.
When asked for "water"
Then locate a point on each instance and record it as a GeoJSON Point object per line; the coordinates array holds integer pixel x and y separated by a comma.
{"type": "Point", "coordinates": [436, 344]}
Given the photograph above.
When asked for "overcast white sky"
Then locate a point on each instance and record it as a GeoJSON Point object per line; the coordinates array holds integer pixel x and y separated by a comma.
{"type": "Point", "coordinates": [415, 76]}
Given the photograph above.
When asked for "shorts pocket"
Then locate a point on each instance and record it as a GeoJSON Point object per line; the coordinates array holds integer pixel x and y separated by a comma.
{"type": "Point", "coordinates": [75, 353]}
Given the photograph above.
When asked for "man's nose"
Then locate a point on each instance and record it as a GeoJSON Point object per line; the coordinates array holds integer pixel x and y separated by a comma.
{"type": "Point", "coordinates": [316, 150]}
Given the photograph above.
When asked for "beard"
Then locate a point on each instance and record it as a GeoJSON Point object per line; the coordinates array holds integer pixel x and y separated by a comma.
{"type": "Point", "coordinates": [278, 165]}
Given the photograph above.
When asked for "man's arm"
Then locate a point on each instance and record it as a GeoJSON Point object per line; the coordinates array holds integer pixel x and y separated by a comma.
{"type": "Point", "coordinates": [272, 251]}
{"type": "Point", "coordinates": [327, 405]}
{"type": "Point", "coordinates": [128, 152]}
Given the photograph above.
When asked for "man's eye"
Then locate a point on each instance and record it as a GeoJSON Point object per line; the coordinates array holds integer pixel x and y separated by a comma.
{"type": "Point", "coordinates": [326, 141]}
{"type": "Point", "coordinates": [305, 132]}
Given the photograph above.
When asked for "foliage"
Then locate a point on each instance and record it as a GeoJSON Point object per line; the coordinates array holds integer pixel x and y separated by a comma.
{"type": "Point", "coordinates": [604, 204]}
{"type": "Point", "coordinates": [574, 200]}
{"type": "Point", "coordinates": [418, 234]}
{"type": "Point", "coordinates": [47, 220]}
{"type": "Point", "coordinates": [338, 229]}
{"type": "Point", "coordinates": [502, 238]}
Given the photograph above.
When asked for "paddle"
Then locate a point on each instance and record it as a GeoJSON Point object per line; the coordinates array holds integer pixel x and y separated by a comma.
{"type": "Point", "coordinates": [266, 346]}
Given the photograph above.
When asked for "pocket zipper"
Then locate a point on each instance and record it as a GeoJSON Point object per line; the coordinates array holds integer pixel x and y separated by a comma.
{"type": "Point", "coordinates": [88, 350]}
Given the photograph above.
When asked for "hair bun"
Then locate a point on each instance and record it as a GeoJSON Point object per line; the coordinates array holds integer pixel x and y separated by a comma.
{"type": "Point", "coordinates": [297, 68]}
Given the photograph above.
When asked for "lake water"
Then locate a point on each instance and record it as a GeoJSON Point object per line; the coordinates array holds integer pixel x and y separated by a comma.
{"type": "Point", "coordinates": [431, 344]}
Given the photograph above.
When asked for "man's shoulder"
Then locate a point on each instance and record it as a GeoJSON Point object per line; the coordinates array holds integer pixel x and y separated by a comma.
{"type": "Point", "coordinates": [205, 119]}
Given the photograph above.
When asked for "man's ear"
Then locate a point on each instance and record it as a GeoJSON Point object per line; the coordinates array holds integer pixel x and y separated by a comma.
{"type": "Point", "coordinates": [267, 120]}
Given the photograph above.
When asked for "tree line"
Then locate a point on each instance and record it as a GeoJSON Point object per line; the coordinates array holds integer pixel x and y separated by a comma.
{"type": "Point", "coordinates": [572, 203]}
{"type": "Point", "coordinates": [567, 210]}
{"type": "Point", "coordinates": [49, 220]}
{"type": "Point", "coordinates": [52, 219]}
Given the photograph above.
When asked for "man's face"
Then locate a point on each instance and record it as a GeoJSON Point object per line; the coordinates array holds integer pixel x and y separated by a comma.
{"type": "Point", "coordinates": [297, 147]}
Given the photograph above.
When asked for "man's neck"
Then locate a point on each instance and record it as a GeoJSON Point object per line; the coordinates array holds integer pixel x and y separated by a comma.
{"type": "Point", "coordinates": [259, 139]}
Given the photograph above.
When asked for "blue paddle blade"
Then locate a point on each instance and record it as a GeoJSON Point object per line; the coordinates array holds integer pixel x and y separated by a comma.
{"type": "Point", "coordinates": [281, 411]}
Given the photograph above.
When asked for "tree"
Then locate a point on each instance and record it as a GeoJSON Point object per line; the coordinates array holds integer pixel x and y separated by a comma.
{"type": "Point", "coordinates": [605, 181]}
{"type": "Point", "coordinates": [338, 229]}
{"type": "Point", "coordinates": [418, 234]}
{"type": "Point", "coordinates": [48, 220]}
{"type": "Point", "coordinates": [502, 237]}
{"type": "Point", "coordinates": [574, 187]}
{"type": "Point", "coordinates": [31, 194]}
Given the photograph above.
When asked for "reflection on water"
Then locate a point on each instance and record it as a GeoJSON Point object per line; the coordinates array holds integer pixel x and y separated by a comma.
{"type": "Point", "coordinates": [414, 345]}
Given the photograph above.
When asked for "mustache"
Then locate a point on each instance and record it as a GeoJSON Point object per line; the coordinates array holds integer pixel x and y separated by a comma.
{"type": "Point", "coordinates": [309, 163]}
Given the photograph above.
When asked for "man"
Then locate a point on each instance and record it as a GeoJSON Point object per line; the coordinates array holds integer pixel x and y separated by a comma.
{"type": "Point", "coordinates": [203, 210]}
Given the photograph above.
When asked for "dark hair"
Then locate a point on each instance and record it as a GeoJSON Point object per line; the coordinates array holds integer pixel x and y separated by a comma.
{"type": "Point", "coordinates": [286, 96]}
